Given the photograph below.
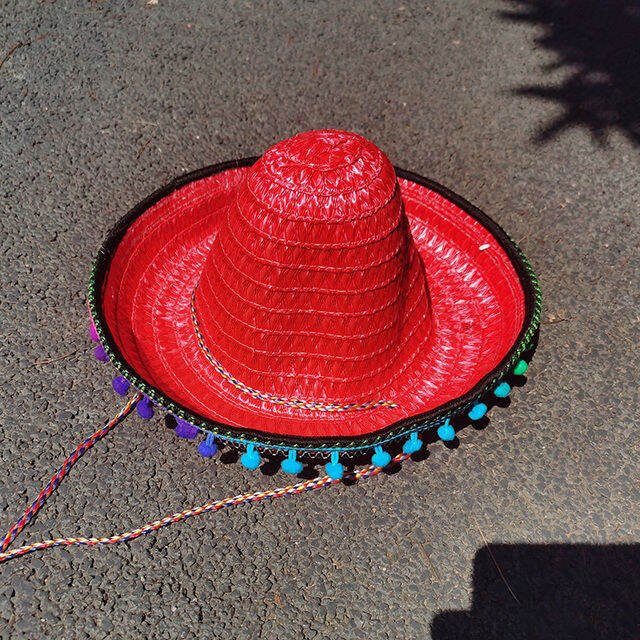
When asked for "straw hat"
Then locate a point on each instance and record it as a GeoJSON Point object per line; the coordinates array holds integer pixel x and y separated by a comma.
{"type": "Point", "coordinates": [314, 301]}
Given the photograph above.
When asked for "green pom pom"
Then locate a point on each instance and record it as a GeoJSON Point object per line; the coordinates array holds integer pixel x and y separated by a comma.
{"type": "Point", "coordinates": [521, 368]}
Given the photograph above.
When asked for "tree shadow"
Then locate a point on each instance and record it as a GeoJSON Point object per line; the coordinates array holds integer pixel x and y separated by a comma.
{"type": "Point", "coordinates": [536, 592]}
{"type": "Point", "coordinates": [597, 42]}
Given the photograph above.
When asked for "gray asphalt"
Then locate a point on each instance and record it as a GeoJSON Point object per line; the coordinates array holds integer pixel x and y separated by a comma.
{"type": "Point", "coordinates": [119, 97]}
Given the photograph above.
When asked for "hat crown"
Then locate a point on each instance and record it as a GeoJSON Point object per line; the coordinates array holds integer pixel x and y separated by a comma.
{"type": "Point", "coordinates": [313, 288]}
{"type": "Point", "coordinates": [325, 175]}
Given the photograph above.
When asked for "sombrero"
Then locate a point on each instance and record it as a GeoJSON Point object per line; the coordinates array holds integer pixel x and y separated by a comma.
{"type": "Point", "coordinates": [315, 302]}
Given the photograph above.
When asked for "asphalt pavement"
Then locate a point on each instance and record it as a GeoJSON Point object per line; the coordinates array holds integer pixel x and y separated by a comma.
{"type": "Point", "coordinates": [528, 529]}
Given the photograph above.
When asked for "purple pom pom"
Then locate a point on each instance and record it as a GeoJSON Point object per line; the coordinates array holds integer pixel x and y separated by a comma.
{"type": "Point", "coordinates": [93, 333]}
{"type": "Point", "coordinates": [186, 430]}
{"type": "Point", "coordinates": [208, 448]}
{"type": "Point", "coordinates": [101, 354]}
{"type": "Point", "coordinates": [121, 385]}
{"type": "Point", "coordinates": [144, 409]}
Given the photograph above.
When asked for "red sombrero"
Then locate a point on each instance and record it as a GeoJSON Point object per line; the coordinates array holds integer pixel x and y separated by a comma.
{"type": "Point", "coordinates": [313, 300]}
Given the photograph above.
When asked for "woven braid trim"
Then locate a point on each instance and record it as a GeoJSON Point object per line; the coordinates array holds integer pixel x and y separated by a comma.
{"type": "Point", "coordinates": [321, 446]}
{"type": "Point", "coordinates": [214, 505]}
{"type": "Point", "coordinates": [308, 405]}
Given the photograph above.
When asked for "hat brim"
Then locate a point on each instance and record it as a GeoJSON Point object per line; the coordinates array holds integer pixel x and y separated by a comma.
{"type": "Point", "coordinates": [484, 295]}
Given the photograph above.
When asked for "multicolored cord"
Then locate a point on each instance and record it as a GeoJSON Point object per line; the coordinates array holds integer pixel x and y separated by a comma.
{"type": "Point", "coordinates": [62, 471]}
{"type": "Point", "coordinates": [309, 405]}
{"type": "Point", "coordinates": [215, 505]}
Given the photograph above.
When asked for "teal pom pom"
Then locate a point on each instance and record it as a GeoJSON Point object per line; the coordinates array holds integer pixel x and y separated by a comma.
{"type": "Point", "coordinates": [251, 459]}
{"type": "Point", "coordinates": [502, 390]}
{"type": "Point", "coordinates": [290, 464]}
{"type": "Point", "coordinates": [334, 469]}
{"type": "Point", "coordinates": [380, 458]}
{"type": "Point", "coordinates": [478, 411]}
{"type": "Point", "coordinates": [446, 432]}
{"type": "Point", "coordinates": [412, 445]}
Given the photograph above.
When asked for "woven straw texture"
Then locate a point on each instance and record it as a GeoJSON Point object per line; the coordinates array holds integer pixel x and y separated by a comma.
{"type": "Point", "coordinates": [313, 294]}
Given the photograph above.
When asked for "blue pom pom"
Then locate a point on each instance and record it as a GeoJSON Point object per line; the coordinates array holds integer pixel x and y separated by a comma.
{"type": "Point", "coordinates": [121, 385]}
{"type": "Point", "coordinates": [502, 390]}
{"type": "Point", "coordinates": [208, 447]}
{"type": "Point", "coordinates": [334, 469]}
{"type": "Point", "coordinates": [380, 458]}
{"type": "Point", "coordinates": [251, 459]}
{"type": "Point", "coordinates": [144, 408]}
{"type": "Point", "coordinates": [185, 430]}
{"type": "Point", "coordinates": [290, 464]}
{"type": "Point", "coordinates": [446, 432]}
{"type": "Point", "coordinates": [478, 411]}
{"type": "Point", "coordinates": [412, 445]}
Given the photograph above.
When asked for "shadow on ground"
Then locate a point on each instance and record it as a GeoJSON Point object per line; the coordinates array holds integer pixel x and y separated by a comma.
{"type": "Point", "coordinates": [581, 592]}
{"type": "Point", "coordinates": [597, 42]}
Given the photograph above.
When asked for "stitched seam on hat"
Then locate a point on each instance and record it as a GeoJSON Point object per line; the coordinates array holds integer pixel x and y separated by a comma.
{"type": "Point", "coordinates": [297, 188]}
{"type": "Point", "coordinates": [348, 379]}
{"type": "Point", "coordinates": [310, 405]}
{"type": "Point", "coordinates": [184, 230]}
{"type": "Point", "coordinates": [312, 267]}
{"type": "Point", "coordinates": [359, 358]}
{"type": "Point", "coordinates": [311, 245]}
{"type": "Point", "coordinates": [158, 223]}
{"type": "Point", "coordinates": [292, 332]}
{"type": "Point", "coordinates": [270, 287]}
{"type": "Point", "coordinates": [492, 255]}
{"type": "Point", "coordinates": [365, 213]}
{"type": "Point", "coordinates": [318, 312]}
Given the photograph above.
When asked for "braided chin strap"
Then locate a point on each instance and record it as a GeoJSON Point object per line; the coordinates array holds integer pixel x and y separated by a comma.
{"type": "Point", "coordinates": [300, 487]}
